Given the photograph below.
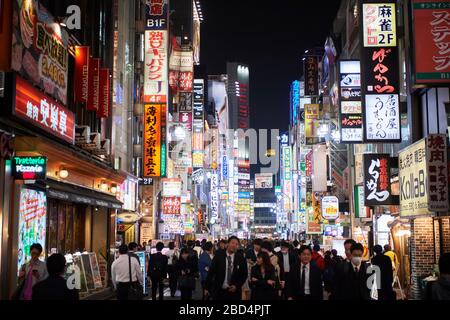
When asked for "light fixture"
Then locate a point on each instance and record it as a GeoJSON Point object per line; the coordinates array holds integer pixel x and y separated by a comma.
{"type": "Point", "coordinates": [104, 186]}
{"type": "Point", "coordinates": [63, 173]}
{"type": "Point", "coordinates": [114, 188]}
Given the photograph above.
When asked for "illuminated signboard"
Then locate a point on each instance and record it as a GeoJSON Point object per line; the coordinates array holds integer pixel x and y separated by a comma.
{"type": "Point", "coordinates": [377, 180]}
{"type": "Point", "coordinates": [156, 66]}
{"type": "Point", "coordinates": [29, 168]}
{"type": "Point", "coordinates": [311, 73]}
{"type": "Point", "coordinates": [295, 101]}
{"type": "Point", "coordinates": [156, 14]}
{"type": "Point", "coordinates": [379, 24]}
{"type": "Point", "coordinates": [330, 208]}
{"type": "Point", "coordinates": [152, 140]}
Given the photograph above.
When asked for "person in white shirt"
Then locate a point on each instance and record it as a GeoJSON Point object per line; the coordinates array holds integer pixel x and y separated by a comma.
{"type": "Point", "coordinates": [120, 273]}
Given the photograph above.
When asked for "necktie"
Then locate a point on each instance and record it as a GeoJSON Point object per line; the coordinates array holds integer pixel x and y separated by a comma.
{"type": "Point", "coordinates": [356, 269]}
{"type": "Point", "coordinates": [230, 270]}
{"type": "Point", "coordinates": [302, 281]}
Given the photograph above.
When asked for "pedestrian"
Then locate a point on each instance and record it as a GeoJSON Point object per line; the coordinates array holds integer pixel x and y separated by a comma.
{"type": "Point", "coordinates": [440, 289]}
{"type": "Point", "coordinates": [392, 255]}
{"type": "Point", "coordinates": [172, 258]}
{"type": "Point", "coordinates": [198, 248]}
{"type": "Point", "coordinates": [317, 257]}
{"type": "Point", "coordinates": [386, 280]}
{"type": "Point", "coordinates": [253, 251]}
{"type": "Point", "coordinates": [268, 248]}
{"type": "Point", "coordinates": [287, 261]}
{"type": "Point", "coordinates": [328, 274]}
{"type": "Point", "coordinates": [348, 246]}
{"type": "Point", "coordinates": [227, 274]}
{"type": "Point", "coordinates": [126, 275]}
{"type": "Point", "coordinates": [351, 278]}
{"type": "Point", "coordinates": [30, 274]}
{"type": "Point", "coordinates": [187, 270]}
{"type": "Point", "coordinates": [157, 270]}
{"type": "Point", "coordinates": [336, 258]}
{"type": "Point", "coordinates": [55, 286]}
{"type": "Point", "coordinates": [306, 278]}
{"type": "Point", "coordinates": [222, 245]}
{"type": "Point", "coordinates": [262, 279]}
{"type": "Point", "coordinates": [132, 249]}
{"type": "Point", "coordinates": [204, 263]}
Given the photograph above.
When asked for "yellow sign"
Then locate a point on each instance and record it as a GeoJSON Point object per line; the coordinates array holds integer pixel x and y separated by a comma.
{"type": "Point", "coordinates": [311, 123]}
{"type": "Point", "coordinates": [152, 140]}
{"type": "Point", "coordinates": [379, 24]}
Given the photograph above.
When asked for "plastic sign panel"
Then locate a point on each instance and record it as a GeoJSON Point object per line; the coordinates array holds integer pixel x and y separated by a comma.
{"type": "Point", "coordinates": [430, 23]}
{"type": "Point", "coordinates": [171, 187]}
{"type": "Point", "coordinates": [41, 111]}
{"type": "Point", "coordinates": [377, 180]}
{"type": "Point", "coordinates": [171, 205]}
{"type": "Point", "coordinates": [29, 168]}
{"type": "Point", "coordinates": [311, 73]}
{"type": "Point", "coordinates": [379, 24]}
{"type": "Point", "coordinates": [263, 181]}
{"type": "Point", "coordinates": [156, 66]}
{"type": "Point", "coordinates": [358, 196]}
{"type": "Point", "coordinates": [330, 208]}
{"type": "Point", "coordinates": [152, 141]}
{"type": "Point", "coordinates": [156, 12]}
{"type": "Point", "coordinates": [311, 123]}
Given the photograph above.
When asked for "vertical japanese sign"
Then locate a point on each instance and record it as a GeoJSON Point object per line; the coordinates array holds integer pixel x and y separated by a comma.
{"type": "Point", "coordinates": [311, 73]}
{"type": "Point", "coordinates": [152, 140]}
{"type": "Point", "coordinates": [350, 110]}
{"type": "Point", "coordinates": [380, 67]}
{"type": "Point", "coordinates": [358, 196]}
{"type": "Point", "coordinates": [156, 12]}
{"type": "Point", "coordinates": [94, 84]}
{"type": "Point", "coordinates": [214, 198]}
{"type": "Point", "coordinates": [311, 123]}
{"type": "Point", "coordinates": [156, 66]}
{"type": "Point", "coordinates": [319, 162]}
{"type": "Point", "coordinates": [431, 48]}
{"type": "Point", "coordinates": [104, 101]}
{"type": "Point", "coordinates": [287, 176]}
{"type": "Point", "coordinates": [81, 74]}
{"type": "Point", "coordinates": [437, 173]}
{"type": "Point", "coordinates": [295, 101]}
{"type": "Point", "coordinates": [197, 136]}
{"type": "Point", "coordinates": [377, 180]}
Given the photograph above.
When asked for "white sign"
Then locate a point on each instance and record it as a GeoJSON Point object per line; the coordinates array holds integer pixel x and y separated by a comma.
{"type": "Point", "coordinates": [171, 187]}
{"type": "Point", "coordinates": [382, 117]}
{"type": "Point", "coordinates": [156, 64]}
{"type": "Point", "coordinates": [263, 181]}
{"type": "Point", "coordinates": [319, 178]}
{"type": "Point", "coordinates": [214, 198]}
{"type": "Point", "coordinates": [330, 208]}
{"type": "Point", "coordinates": [351, 107]}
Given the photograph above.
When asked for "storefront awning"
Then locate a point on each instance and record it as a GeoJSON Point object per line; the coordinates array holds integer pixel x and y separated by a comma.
{"type": "Point", "coordinates": [76, 194]}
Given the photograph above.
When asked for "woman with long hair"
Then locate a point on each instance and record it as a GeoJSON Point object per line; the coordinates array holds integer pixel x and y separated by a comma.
{"type": "Point", "coordinates": [263, 278]}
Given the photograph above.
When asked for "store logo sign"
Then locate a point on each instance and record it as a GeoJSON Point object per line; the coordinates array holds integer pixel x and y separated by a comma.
{"type": "Point", "coordinates": [29, 168]}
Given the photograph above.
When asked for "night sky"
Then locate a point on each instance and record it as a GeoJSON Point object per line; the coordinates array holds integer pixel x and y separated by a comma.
{"type": "Point", "coordinates": [270, 36]}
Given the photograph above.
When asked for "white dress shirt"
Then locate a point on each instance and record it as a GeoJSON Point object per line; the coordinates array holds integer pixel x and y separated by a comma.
{"type": "Point", "coordinates": [286, 264]}
{"type": "Point", "coordinates": [225, 284]}
{"type": "Point", "coordinates": [120, 271]}
{"type": "Point", "coordinates": [307, 289]}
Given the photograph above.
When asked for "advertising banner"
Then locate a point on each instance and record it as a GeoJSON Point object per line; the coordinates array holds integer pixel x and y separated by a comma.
{"type": "Point", "coordinates": [217, 94]}
{"type": "Point", "coordinates": [214, 209]}
{"type": "Point", "coordinates": [93, 84]}
{"type": "Point", "coordinates": [319, 161]}
{"type": "Point", "coordinates": [81, 82]}
{"type": "Point", "coordinates": [377, 180]}
{"type": "Point", "coordinates": [152, 140]}
{"type": "Point", "coordinates": [311, 123]}
{"type": "Point", "coordinates": [311, 73]}
{"type": "Point", "coordinates": [40, 48]}
{"type": "Point", "coordinates": [430, 23]}
{"type": "Point", "coordinates": [330, 208]}
{"type": "Point", "coordinates": [379, 24]}
{"type": "Point", "coordinates": [171, 205]}
{"type": "Point", "coordinates": [33, 106]}
{"type": "Point", "coordinates": [156, 66]}
{"type": "Point", "coordinates": [104, 101]}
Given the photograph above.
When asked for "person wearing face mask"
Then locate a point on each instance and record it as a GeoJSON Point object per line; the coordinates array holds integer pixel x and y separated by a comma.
{"type": "Point", "coordinates": [351, 283]}
{"type": "Point", "coordinates": [287, 261]}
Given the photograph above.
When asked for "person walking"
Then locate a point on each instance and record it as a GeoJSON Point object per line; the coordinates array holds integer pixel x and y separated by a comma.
{"type": "Point", "coordinates": [30, 274]}
{"type": "Point", "coordinates": [253, 251]}
{"type": "Point", "coordinates": [268, 248]}
{"type": "Point", "coordinates": [133, 247]}
{"type": "Point", "coordinates": [386, 280]}
{"type": "Point", "coordinates": [328, 274]}
{"type": "Point", "coordinates": [204, 263]}
{"type": "Point", "coordinates": [198, 248]}
{"type": "Point", "coordinates": [187, 270]}
{"type": "Point", "coordinates": [392, 255]}
{"type": "Point", "coordinates": [157, 270]}
{"type": "Point", "coordinates": [287, 260]}
{"type": "Point", "coordinates": [305, 278]}
{"type": "Point", "coordinates": [125, 274]}
{"type": "Point", "coordinates": [172, 258]}
{"type": "Point", "coordinates": [440, 289]}
{"type": "Point", "coordinates": [262, 279]}
{"type": "Point", "coordinates": [55, 286]}
{"type": "Point", "coordinates": [227, 274]}
{"type": "Point", "coordinates": [317, 257]}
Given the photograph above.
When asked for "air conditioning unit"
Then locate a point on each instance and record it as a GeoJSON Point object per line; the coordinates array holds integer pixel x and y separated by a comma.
{"type": "Point", "coordinates": [94, 144]}
{"type": "Point", "coordinates": [82, 134]}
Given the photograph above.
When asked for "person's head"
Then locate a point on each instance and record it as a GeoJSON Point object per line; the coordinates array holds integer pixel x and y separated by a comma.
{"type": "Point", "coordinates": [222, 244]}
{"type": "Point", "coordinates": [203, 242]}
{"type": "Point", "coordinates": [233, 244]}
{"type": "Point", "coordinates": [295, 243]}
{"type": "Point", "coordinates": [348, 245]}
{"type": "Point", "coordinates": [208, 246]}
{"type": "Point", "coordinates": [284, 247]}
{"type": "Point", "coordinates": [267, 247]}
{"type": "Point", "coordinates": [327, 254]}
{"type": "Point", "coordinates": [56, 264]}
{"type": "Point", "coordinates": [35, 251]}
{"type": "Point", "coordinates": [387, 248]}
{"type": "Point", "coordinates": [123, 249]}
{"type": "Point", "coordinates": [159, 246]}
{"type": "Point", "coordinates": [305, 254]}
{"type": "Point", "coordinates": [444, 264]}
{"type": "Point", "coordinates": [263, 259]}
{"type": "Point", "coordinates": [378, 249]}
{"type": "Point", "coordinates": [190, 244]}
{"type": "Point", "coordinates": [184, 254]}
{"type": "Point", "coordinates": [357, 251]}
{"type": "Point", "coordinates": [334, 252]}
{"type": "Point", "coordinates": [171, 245]}
{"type": "Point", "coordinates": [316, 247]}
{"type": "Point", "coordinates": [257, 245]}
{"type": "Point", "coordinates": [197, 243]}
{"type": "Point", "coordinates": [132, 246]}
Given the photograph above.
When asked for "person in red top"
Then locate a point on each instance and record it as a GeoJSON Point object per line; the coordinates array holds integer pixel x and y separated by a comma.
{"type": "Point", "coordinates": [317, 258]}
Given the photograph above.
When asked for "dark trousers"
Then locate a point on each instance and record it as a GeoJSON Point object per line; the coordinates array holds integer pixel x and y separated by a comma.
{"type": "Point", "coordinates": [172, 279]}
{"type": "Point", "coordinates": [122, 290]}
{"type": "Point", "coordinates": [284, 293]}
{"type": "Point", "coordinates": [225, 295]}
{"type": "Point", "coordinates": [157, 282]}
{"type": "Point", "coordinates": [186, 293]}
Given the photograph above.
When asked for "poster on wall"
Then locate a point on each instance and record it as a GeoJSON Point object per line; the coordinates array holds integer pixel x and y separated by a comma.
{"type": "Point", "coordinates": [77, 261]}
{"type": "Point", "coordinates": [40, 48]}
{"type": "Point", "coordinates": [95, 271]}
{"type": "Point", "coordinates": [377, 180]}
{"type": "Point", "coordinates": [431, 61]}
{"type": "Point", "coordinates": [86, 263]}
{"type": "Point", "coordinates": [32, 224]}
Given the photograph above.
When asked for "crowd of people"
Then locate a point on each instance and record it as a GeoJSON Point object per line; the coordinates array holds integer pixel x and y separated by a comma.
{"type": "Point", "coordinates": [231, 271]}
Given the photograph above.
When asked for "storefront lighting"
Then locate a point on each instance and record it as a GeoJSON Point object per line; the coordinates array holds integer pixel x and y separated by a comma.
{"type": "Point", "coordinates": [113, 188]}
{"type": "Point", "coordinates": [63, 173]}
{"type": "Point", "coordinates": [104, 186]}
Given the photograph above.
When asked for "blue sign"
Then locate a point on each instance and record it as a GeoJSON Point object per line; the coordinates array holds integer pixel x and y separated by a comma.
{"type": "Point", "coordinates": [244, 195]}
{"type": "Point", "coordinates": [224, 167]}
{"type": "Point", "coordinates": [295, 101]}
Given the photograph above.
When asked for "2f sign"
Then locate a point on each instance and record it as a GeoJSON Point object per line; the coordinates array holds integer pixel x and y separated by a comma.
{"type": "Point", "coordinates": [73, 20]}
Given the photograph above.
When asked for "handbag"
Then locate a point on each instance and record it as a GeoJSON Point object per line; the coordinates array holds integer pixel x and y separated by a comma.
{"type": "Point", "coordinates": [135, 292]}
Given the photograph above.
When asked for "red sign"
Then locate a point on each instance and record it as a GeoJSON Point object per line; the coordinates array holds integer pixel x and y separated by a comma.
{"type": "Point", "coordinates": [432, 59]}
{"type": "Point", "coordinates": [171, 205]}
{"type": "Point", "coordinates": [244, 110]}
{"type": "Point", "coordinates": [43, 112]}
{"type": "Point", "coordinates": [104, 103]}
{"type": "Point", "coordinates": [94, 84]}
{"type": "Point", "coordinates": [81, 74]}
{"type": "Point", "coordinates": [185, 81]}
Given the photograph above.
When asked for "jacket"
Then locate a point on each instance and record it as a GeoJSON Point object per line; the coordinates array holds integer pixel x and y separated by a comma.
{"type": "Point", "coordinates": [189, 267]}
{"type": "Point", "coordinates": [54, 288]}
{"type": "Point", "coordinates": [157, 265]}
{"type": "Point", "coordinates": [41, 268]}
{"type": "Point", "coordinates": [318, 259]}
{"type": "Point", "coordinates": [292, 260]}
{"type": "Point", "coordinates": [386, 277]}
{"type": "Point", "coordinates": [204, 262]}
{"type": "Point", "coordinates": [440, 289]}
{"type": "Point", "coordinates": [315, 282]}
{"type": "Point", "coordinates": [348, 285]}
{"type": "Point", "coordinates": [261, 290]}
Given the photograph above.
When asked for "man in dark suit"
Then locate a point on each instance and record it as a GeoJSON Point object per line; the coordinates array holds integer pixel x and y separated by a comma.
{"type": "Point", "coordinates": [287, 261]}
{"type": "Point", "coordinates": [55, 286]}
{"type": "Point", "coordinates": [253, 251]}
{"type": "Point", "coordinates": [305, 279]}
{"type": "Point", "coordinates": [351, 277]}
{"type": "Point", "coordinates": [227, 273]}
{"type": "Point", "coordinates": [157, 270]}
{"type": "Point", "coordinates": [385, 292]}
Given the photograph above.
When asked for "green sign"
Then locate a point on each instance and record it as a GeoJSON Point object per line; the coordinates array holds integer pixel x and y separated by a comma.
{"type": "Point", "coordinates": [29, 168]}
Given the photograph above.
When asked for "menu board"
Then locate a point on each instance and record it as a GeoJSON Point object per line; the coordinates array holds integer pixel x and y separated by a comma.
{"type": "Point", "coordinates": [86, 262]}
{"type": "Point", "coordinates": [32, 223]}
{"type": "Point", "coordinates": [95, 271]}
{"type": "Point", "coordinates": [78, 263]}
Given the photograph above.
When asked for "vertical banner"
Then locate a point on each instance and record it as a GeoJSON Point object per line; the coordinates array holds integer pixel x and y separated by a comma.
{"type": "Point", "coordinates": [94, 85]}
{"type": "Point", "coordinates": [311, 73]}
{"type": "Point", "coordinates": [430, 25]}
{"type": "Point", "coordinates": [358, 196]}
{"type": "Point", "coordinates": [377, 180]}
{"type": "Point", "coordinates": [104, 104]}
{"type": "Point", "coordinates": [380, 69]}
{"type": "Point", "coordinates": [319, 161]}
{"type": "Point", "coordinates": [163, 140]}
{"type": "Point", "coordinates": [214, 198]}
{"type": "Point", "coordinates": [82, 55]}
{"type": "Point", "coordinates": [152, 140]}
{"type": "Point", "coordinates": [311, 123]}
{"type": "Point", "coordinates": [437, 173]}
